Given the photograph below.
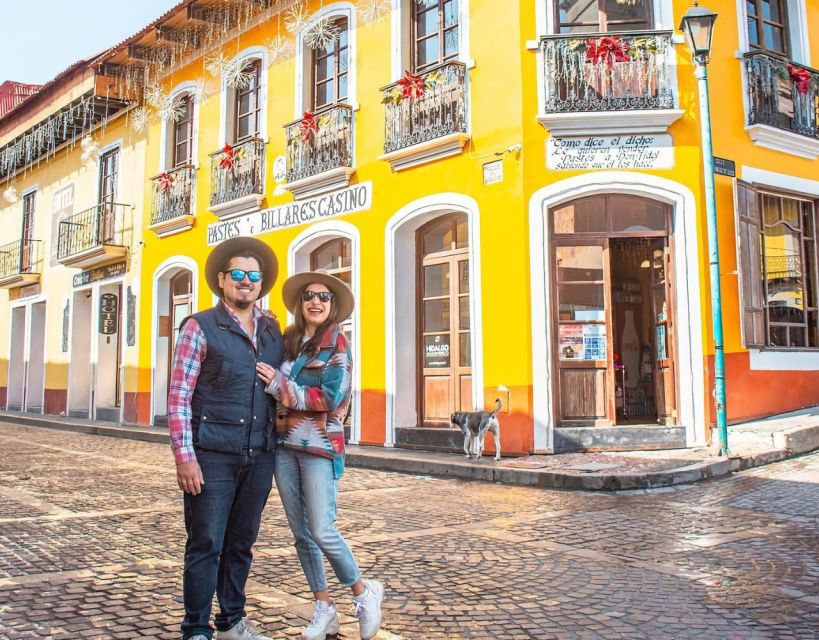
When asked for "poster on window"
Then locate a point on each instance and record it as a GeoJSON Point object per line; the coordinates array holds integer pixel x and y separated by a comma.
{"type": "Point", "coordinates": [570, 341]}
{"type": "Point", "coordinates": [436, 351]}
{"type": "Point", "coordinates": [594, 342]}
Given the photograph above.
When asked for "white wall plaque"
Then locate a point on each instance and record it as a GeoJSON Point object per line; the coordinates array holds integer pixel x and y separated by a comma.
{"type": "Point", "coordinates": [357, 197]}
{"type": "Point", "coordinates": [493, 172]}
{"type": "Point", "coordinates": [610, 152]}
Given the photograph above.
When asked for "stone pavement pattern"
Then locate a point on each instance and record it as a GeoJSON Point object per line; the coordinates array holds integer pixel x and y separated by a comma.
{"type": "Point", "coordinates": [91, 541]}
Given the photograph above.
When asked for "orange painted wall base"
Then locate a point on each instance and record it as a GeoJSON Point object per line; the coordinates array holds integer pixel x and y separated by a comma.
{"type": "Point", "coordinates": [56, 402]}
{"type": "Point", "coordinates": [137, 408]}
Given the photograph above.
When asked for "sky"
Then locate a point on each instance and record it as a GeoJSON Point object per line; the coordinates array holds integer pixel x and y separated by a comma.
{"type": "Point", "coordinates": [41, 38]}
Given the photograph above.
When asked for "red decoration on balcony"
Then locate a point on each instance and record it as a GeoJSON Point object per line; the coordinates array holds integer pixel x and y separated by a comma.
{"type": "Point", "coordinates": [308, 127]}
{"type": "Point", "coordinates": [412, 86]}
{"type": "Point", "coordinates": [228, 158]}
{"type": "Point", "coordinates": [166, 181]}
{"type": "Point", "coordinates": [800, 77]}
{"type": "Point", "coordinates": [610, 49]}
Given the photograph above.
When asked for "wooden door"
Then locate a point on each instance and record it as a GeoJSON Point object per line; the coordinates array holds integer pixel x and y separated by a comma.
{"type": "Point", "coordinates": [582, 325]}
{"type": "Point", "coordinates": [661, 306]}
{"type": "Point", "coordinates": [443, 317]}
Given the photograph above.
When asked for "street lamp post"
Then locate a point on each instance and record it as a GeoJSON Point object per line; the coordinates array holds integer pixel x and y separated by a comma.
{"type": "Point", "coordinates": [698, 26]}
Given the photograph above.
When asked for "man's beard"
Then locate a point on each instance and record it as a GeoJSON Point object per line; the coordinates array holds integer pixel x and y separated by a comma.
{"type": "Point", "coordinates": [240, 305]}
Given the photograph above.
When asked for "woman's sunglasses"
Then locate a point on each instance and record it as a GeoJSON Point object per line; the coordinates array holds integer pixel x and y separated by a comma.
{"type": "Point", "coordinates": [323, 296]}
{"type": "Point", "coordinates": [237, 275]}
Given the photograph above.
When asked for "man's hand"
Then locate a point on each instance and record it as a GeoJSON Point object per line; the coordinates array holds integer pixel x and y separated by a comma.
{"type": "Point", "coordinates": [189, 477]}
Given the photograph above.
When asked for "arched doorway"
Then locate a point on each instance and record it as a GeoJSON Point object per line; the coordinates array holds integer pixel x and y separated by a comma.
{"type": "Point", "coordinates": [613, 327]}
{"type": "Point", "coordinates": [174, 301]}
{"type": "Point", "coordinates": [444, 327]}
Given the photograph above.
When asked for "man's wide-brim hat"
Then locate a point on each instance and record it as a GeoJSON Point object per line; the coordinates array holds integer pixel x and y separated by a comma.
{"type": "Point", "coordinates": [343, 295]}
{"type": "Point", "coordinates": [229, 248]}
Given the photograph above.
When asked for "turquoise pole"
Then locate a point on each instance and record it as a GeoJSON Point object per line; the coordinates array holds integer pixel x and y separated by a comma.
{"type": "Point", "coordinates": [713, 257]}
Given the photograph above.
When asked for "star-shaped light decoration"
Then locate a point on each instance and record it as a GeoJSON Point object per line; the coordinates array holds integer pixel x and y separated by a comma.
{"type": "Point", "coordinates": [172, 109]}
{"type": "Point", "coordinates": [140, 119]}
{"type": "Point", "coordinates": [239, 74]}
{"type": "Point", "coordinates": [373, 10]}
{"type": "Point", "coordinates": [216, 64]}
{"type": "Point", "coordinates": [280, 48]}
{"type": "Point", "coordinates": [295, 18]}
{"type": "Point", "coordinates": [155, 96]}
{"type": "Point", "coordinates": [10, 195]}
{"type": "Point", "coordinates": [321, 33]}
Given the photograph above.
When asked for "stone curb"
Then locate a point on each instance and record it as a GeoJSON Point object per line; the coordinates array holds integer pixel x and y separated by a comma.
{"type": "Point", "coordinates": [799, 440]}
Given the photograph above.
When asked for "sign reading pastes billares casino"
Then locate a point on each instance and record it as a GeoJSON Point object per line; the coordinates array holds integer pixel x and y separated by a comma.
{"type": "Point", "coordinates": [357, 197]}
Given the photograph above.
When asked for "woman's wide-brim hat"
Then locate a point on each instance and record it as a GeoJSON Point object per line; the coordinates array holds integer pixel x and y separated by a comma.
{"type": "Point", "coordinates": [293, 286]}
{"type": "Point", "coordinates": [229, 248]}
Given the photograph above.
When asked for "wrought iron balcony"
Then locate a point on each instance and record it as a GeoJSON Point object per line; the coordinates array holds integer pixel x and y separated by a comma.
{"type": "Point", "coordinates": [425, 107]}
{"type": "Point", "coordinates": [172, 194]}
{"type": "Point", "coordinates": [607, 72]}
{"type": "Point", "coordinates": [93, 235]}
{"type": "Point", "coordinates": [782, 94]}
{"type": "Point", "coordinates": [236, 172]}
{"type": "Point", "coordinates": [319, 142]}
{"type": "Point", "coordinates": [20, 262]}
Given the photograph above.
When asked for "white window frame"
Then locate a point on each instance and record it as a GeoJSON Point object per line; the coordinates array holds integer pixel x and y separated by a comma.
{"type": "Point", "coordinates": [797, 32]}
{"type": "Point", "coordinates": [400, 39]}
{"type": "Point", "coordinates": [304, 59]}
{"type": "Point", "coordinates": [194, 90]}
{"type": "Point", "coordinates": [227, 96]}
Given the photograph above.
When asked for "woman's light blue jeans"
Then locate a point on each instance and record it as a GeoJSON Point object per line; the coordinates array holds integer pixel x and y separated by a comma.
{"type": "Point", "coordinates": [308, 491]}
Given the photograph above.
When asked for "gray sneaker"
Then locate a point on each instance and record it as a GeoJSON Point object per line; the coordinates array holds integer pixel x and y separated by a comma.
{"type": "Point", "coordinates": [368, 609]}
{"type": "Point", "coordinates": [241, 631]}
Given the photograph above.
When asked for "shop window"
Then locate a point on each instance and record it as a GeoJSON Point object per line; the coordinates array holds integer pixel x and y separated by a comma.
{"type": "Point", "coordinates": [768, 25]}
{"type": "Point", "coordinates": [777, 262]}
{"type": "Point", "coordinates": [602, 16]}
{"type": "Point", "coordinates": [330, 69]}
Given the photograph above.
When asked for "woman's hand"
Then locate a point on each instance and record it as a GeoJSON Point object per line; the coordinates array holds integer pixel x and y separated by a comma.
{"type": "Point", "coordinates": [266, 372]}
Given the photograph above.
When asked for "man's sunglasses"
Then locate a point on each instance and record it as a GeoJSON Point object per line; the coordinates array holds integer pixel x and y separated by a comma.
{"type": "Point", "coordinates": [323, 296]}
{"type": "Point", "coordinates": [239, 274]}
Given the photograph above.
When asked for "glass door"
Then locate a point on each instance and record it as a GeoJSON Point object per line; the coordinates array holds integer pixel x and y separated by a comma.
{"type": "Point", "coordinates": [583, 327]}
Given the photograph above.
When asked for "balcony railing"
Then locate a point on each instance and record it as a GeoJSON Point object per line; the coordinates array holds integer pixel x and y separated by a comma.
{"type": "Point", "coordinates": [20, 257]}
{"type": "Point", "coordinates": [436, 107]}
{"type": "Point", "coordinates": [607, 72]}
{"type": "Point", "coordinates": [783, 94]}
{"type": "Point", "coordinates": [173, 194]}
{"type": "Point", "coordinates": [319, 142]}
{"type": "Point", "coordinates": [237, 171]}
{"type": "Point", "coordinates": [95, 227]}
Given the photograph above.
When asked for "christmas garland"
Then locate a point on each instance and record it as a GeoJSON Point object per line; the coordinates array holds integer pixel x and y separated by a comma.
{"type": "Point", "coordinates": [166, 182]}
{"type": "Point", "coordinates": [412, 87]}
{"type": "Point", "coordinates": [801, 78]}
{"type": "Point", "coordinates": [229, 158]}
{"type": "Point", "coordinates": [611, 49]}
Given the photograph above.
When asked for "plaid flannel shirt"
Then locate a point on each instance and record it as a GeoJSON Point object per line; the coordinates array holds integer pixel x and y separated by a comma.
{"type": "Point", "coordinates": [189, 352]}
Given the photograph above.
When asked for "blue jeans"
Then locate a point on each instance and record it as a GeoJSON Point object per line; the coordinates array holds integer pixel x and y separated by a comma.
{"type": "Point", "coordinates": [222, 524]}
{"type": "Point", "coordinates": [308, 491]}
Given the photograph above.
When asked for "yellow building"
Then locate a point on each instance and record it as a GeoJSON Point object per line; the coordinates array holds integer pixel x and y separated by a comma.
{"type": "Point", "coordinates": [513, 190]}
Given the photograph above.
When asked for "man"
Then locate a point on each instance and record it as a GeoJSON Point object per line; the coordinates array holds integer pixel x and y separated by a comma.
{"type": "Point", "coordinates": [223, 435]}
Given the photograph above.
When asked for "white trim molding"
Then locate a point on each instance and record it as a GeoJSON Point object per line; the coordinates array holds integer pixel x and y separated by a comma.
{"type": "Point", "coordinates": [603, 123]}
{"type": "Point", "coordinates": [194, 90]}
{"type": "Point", "coordinates": [690, 356]}
{"type": "Point", "coordinates": [399, 248]}
{"type": "Point", "coordinates": [782, 140]}
{"type": "Point", "coordinates": [423, 152]}
{"type": "Point", "coordinates": [162, 274]}
{"type": "Point", "coordinates": [298, 259]}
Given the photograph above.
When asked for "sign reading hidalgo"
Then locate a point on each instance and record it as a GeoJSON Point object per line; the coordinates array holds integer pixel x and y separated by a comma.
{"type": "Point", "coordinates": [357, 197]}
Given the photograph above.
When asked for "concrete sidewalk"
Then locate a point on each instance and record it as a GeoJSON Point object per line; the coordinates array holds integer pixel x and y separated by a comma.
{"type": "Point", "coordinates": [752, 444]}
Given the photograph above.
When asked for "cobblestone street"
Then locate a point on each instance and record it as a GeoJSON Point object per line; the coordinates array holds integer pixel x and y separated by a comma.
{"type": "Point", "coordinates": [91, 541]}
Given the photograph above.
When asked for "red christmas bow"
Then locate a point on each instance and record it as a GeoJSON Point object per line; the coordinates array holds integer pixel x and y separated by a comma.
{"type": "Point", "coordinates": [165, 182]}
{"type": "Point", "coordinates": [609, 49]}
{"type": "Point", "coordinates": [309, 125]}
{"type": "Point", "coordinates": [412, 86]}
{"type": "Point", "coordinates": [800, 77]}
{"type": "Point", "coordinates": [228, 157]}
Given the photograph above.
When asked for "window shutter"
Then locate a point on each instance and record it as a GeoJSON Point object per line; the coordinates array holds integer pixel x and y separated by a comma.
{"type": "Point", "coordinates": [749, 264]}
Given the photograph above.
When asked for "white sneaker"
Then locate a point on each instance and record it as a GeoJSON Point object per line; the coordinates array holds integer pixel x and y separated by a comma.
{"type": "Point", "coordinates": [199, 636]}
{"type": "Point", "coordinates": [241, 631]}
{"type": "Point", "coordinates": [368, 609]}
{"type": "Point", "coordinates": [324, 623]}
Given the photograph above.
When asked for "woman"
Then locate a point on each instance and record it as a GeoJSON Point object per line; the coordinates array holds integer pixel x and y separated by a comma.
{"type": "Point", "coordinates": [312, 392]}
